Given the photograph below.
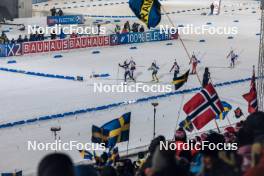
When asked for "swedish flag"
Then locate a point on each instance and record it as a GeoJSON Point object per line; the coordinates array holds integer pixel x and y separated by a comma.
{"type": "Point", "coordinates": [118, 129]}
{"type": "Point", "coordinates": [147, 11]}
{"type": "Point", "coordinates": [227, 107]}
{"type": "Point", "coordinates": [179, 81]}
{"type": "Point", "coordinates": [86, 155]}
{"type": "Point", "coordinates": [187, 125]}
{"type": "Point", "coordinates": [99, 135]}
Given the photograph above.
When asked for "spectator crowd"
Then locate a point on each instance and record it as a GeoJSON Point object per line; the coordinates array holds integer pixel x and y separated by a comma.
{"type": "Point", "coordinates": [32, 37]}
{"type": "Point", "coordinates": [135, 27]}
{"type": "Point", "coordinates": [246, 160]}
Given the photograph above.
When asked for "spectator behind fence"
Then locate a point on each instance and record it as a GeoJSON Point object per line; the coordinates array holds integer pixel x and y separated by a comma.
{"type": "Point", "coordinates": [127, 27]}
{"type": "Point", "coordinates": [141, 29]}
{"type": "Point", "coordinates": [32, 37]}
{"type": "Point", "coordinates": [13, 41]}
{"type": "Point", "coordinates": [4, 39]}
{"type": "Point", "coordinates": [53, 11]}
{"type": "Point", "coordinates": [25, 38]}
{"type": "Point", "coordinates": [117, 29]}
{"type": "Point", "coordinates": [20, 40]}
{"type": "Point", "coordinates": [56, 165]}
{"type": "Point", "coordinates": [40, 36]}
{"type": "Point", "coordinates": [60, 12]}
{"type": "Point", "coordinates": [135, 27]}
{"type": "Point", "coordinates": [53, 35]}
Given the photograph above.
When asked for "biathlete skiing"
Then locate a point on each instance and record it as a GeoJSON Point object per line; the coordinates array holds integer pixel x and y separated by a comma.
{"type": "Point", "coordinates": [154, 69]}
{"type": "Point", "coordinates": [176, 69]}
{"type": "Point", "coordinates": [233, 56]}
{"type": "Point", "coordinates": [127, 74]}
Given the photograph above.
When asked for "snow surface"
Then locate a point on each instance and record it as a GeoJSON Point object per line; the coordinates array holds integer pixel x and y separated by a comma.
{"type": "Point", "coordinates": [25, 97]}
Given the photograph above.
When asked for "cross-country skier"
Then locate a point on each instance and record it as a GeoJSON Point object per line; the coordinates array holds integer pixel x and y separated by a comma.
{"type": "Point", "coordinates": [127, 70]}
{"type": "Point", "coordinates": [154, 69]}
{"type": "Point", "coordinates": [132, 68]}
{"type": "Point", "coordinates": [194, 61]}
{"type": "Point", "coordinates": [233, 58]}
{"type": "Point", "coordinates": [206, 76]}
{"type": "Point", "coordinates": [176, 69]}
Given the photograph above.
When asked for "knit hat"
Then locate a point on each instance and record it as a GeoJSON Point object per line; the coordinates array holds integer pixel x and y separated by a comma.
{"type": "Point", "coordinates": [57, 164]}
{"type": "Point", "coordinates": [230, 129]}
{"type": "Point", "coordinates": [180, 135]}
{"type": "Point", "coordinates": [254, 124]}
{"type": "Point", "coordinates": [154, 143]}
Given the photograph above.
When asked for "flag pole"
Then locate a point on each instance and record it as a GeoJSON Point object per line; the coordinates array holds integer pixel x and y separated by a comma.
{"type": "Point", "coordinates": [154, 118]}
{"type": "Point", "coordinates": [179, 112]}
{"type": "Point", "coordinates": [127, 147]}
{"type": "Point", "coordinates": [244, 116]}
{"type": "Point", "coordinates": [219, 8]}
{"type": "Point", "coordinates": [117, 76]}
{"type": "Point", "coordinates": [217, 126]}
{"type": "Point", "coordinates": [218, 129]}
{"type": "Point", "coordinates": [228, 121]}
{"type": "Point", "coordinates": [185, 48]}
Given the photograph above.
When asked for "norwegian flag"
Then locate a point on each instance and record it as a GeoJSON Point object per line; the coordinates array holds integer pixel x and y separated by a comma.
{"type": "Point", "coordinates": [203, 107]}
{"type": "Point", "coordinates": [251, 96]}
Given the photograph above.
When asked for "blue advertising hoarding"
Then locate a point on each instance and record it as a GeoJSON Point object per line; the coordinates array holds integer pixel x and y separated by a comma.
{"type": "Point", "coordinates": [14, 49]}
{"type": "Point", "coordinates": [38, 1]}
{"type": "Point", "coordinates": [139, 37]}
{"type": "Point", "coordinates": [3, 50]}
{"type": "Point", "coordinates": [152, 36]}
{"type": "Point", "coordinates": [115, 39]}
{"type": "Point", "coordinates": [69, 19]}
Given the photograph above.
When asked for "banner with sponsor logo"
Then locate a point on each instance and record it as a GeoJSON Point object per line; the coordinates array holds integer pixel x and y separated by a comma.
{"type": "Point", "coordinates": [83, 42]}
{"type": "Point", "coordinates": [3, 50]}
{"type": "Point", "coordinates": [68, 19]}
{"type": "Point", "coordinates": [139, 37]}
{"type": "Point", "coordinates": [66, 44]}
{"type": "Point", "coordinates": [14, 49]}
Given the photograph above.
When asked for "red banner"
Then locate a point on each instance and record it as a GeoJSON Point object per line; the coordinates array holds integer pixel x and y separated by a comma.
{"type": "Point", "coordinates": [60, 45]}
